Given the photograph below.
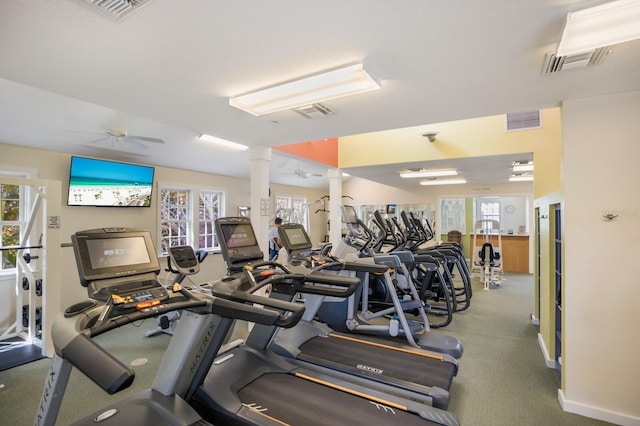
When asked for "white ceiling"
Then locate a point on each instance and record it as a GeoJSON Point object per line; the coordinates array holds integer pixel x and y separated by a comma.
{"type": "Point", "coordinates": [169, 69]}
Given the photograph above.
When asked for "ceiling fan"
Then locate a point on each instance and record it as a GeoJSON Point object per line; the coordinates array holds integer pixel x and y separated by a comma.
{"type": "Point", "coordinates": [117, 134]}
{"type": "Point", "coordinates": [303, 174]}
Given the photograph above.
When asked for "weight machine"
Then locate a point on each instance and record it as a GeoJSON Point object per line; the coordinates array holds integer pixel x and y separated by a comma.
{"type": "Point", "coordinates": [487, 258]}
{"type": "Point", "coordinates": [37, 283]}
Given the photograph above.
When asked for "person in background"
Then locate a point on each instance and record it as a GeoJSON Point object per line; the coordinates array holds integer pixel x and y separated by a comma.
{"type": "Point", "coordinates": [274, 240]}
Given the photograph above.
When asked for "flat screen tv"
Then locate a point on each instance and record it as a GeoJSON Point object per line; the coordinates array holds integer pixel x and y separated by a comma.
{"type": "Point", "coordinates": [94, 182]}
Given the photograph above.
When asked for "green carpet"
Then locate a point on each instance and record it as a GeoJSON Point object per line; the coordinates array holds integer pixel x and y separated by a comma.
{"type": "Point", "coordinates": [502, 380]}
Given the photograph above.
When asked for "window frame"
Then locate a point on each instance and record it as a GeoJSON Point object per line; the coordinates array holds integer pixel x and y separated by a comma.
{"type": "Point", "coordinates": [24, 205]}
{"type": "Point", "coordinates": [294, 213]}
{"type": "Point", "coordinates": [192, 221]}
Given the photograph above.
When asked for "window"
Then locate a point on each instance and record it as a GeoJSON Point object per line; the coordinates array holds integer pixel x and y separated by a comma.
{"type": "Point", "coordinates": [15, 208]}
{"type": "Point", "coordinates": [174, 218]}
{"type": "Point", "coordinates": [11, 222]}
{"type": "Point", "coordinates": [490, 210]}
{"type": "Point", "coordinates": [209, 211]}
{"type": "Point", "coordinates": [292, 210]}
{"type": "Point", "coordinates": [183, 222]}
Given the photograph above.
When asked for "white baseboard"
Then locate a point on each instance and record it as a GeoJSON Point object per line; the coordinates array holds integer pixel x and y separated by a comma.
{"type": "Point", "coordinates": [534, 320]}
{"type": "Point", "coordinates": [596, 413]}
{"type": "Point", "coordinates": [550, 362]}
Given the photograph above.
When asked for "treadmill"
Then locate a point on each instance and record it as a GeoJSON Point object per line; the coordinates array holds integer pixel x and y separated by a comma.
{"type": "Point", "coordinates": [315, 344]}
{"type": "Point", "coordinates": [250, 384]}
{"type": "Point", "coordinates": [119, 266]}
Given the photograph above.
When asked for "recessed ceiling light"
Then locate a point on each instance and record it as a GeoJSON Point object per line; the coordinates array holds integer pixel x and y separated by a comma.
{"type": "Point", "coordinates": [523, 166]}
{"type": "Point", "coordinates": [442, 182]}
{"type": "Point", "coordinates": [421, 173]}
{"type": "Point", "coordinates": [333, 84]}
{"type": "Point", "coordinates": [222, 142]}
{"type": "Point", "coordinates": [600, 26]}
{"type": "Point", "coordinates": [521, 178]}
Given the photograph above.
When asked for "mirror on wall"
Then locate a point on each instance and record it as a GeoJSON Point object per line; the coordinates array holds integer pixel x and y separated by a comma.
{"type": "Point", "coordinates": [425, 211]}
{"type": "Point", "coordinates": [461, 213]}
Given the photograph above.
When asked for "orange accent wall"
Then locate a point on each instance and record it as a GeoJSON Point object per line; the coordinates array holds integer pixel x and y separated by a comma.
{"type": "Point", "coordinates": [323, 151]}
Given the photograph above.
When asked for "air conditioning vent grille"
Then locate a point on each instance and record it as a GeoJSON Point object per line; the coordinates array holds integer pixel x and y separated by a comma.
{"type": "Point", "coordinates": [313, 111]}
{"type": "Point", "coordinates": [115, 9]}
{"type": "Point", "coordinates": [523, 120]}
{"type": "Point", "coordinates": [553, 64]}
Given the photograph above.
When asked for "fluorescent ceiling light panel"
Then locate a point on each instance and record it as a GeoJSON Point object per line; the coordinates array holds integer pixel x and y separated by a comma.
{"type": "Point", "coordinates": [222, 142]}
{"type": "Point", "coordinates": [334, 84]}
{"type": "Point", "coordinates": [428, 173]}
{"type": "Point", "coordinates": [600, 26]}
{"type": "Point", "coordinates": [523, 168]}
{"type": "Point", "coordinates": [523, 178]}
{"type": "Point", "coordinates": [443, 182]}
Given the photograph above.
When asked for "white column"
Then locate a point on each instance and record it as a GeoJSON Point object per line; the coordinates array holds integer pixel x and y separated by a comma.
{"type": "Point", "coordinates": [261, 209]}
{"type": "Point", "coordinates": [335, 199]}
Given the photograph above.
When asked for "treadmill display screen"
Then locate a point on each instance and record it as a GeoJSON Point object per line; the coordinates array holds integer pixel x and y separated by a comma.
{"type": "Point", "coordinates": [110, 252]}
{"type": "Point", "coordinates": [239, 235]}
{"type": "Point", "coordinates": [296, 236]}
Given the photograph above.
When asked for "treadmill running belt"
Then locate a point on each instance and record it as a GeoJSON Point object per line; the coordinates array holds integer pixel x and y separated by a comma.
{"type": "Point", "coordinates": [369, 359]}
{"type": "Point", "coordinates": [296, 401]}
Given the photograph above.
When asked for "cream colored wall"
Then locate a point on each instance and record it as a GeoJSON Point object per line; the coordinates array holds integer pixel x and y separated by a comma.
{"type": "Point", "coordinates": [601, 292]}
{"type": "Point", "coordinates": [55, 166]}
{"type": "Point", "coordinates": [317, 221]}
{"type": "Point", "coordinates": [459, 139]}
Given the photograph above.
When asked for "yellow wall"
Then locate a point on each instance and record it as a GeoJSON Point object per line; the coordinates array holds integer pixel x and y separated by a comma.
{"type": "Point", "coordinates": [459, 139]}
{"type": "Point", "coordinates": [546, 315]}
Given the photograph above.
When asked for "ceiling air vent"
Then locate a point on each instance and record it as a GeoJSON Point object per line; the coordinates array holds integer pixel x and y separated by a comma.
{"type": "Point", "coordinates": [314, 111]}
{"type": "Point", "coordinates": [553, 64]}
{"type": "Point", "coordinates": [523, 120]}
{"type": "Point", "coordinates": [115, 9]}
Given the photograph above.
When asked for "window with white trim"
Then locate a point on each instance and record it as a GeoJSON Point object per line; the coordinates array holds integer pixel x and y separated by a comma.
{"type": "Point", "coordinates": [292, 209]}
{"type": "Point", "coordinates": [208, 211]}
{"type": "Point", "coordinates": [14, 214]}
{"type": "Point", "coordinates": [187, 217]}
{"type": "Point", "coordinates": [488, 209]}
{"type": "Point", "coordinates": [12, 220]}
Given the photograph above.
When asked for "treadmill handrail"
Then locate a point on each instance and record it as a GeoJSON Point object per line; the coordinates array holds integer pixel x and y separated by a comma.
{"type": "Point", "coordinates": [244, 293]}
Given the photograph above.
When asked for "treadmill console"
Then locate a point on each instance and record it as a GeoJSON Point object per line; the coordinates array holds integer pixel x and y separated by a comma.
{"type": "Point", "coordinates": [299, 247]}
{"type": "Point", "coordinates": [120, 265]}
{"type": "Point", "coordinates": [183, 260]}
{"type": "Point", "coordinates": [238, 242]}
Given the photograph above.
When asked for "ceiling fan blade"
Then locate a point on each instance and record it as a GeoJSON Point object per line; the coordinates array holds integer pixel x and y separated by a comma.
{"type": "Point", "coordinates": [83, 132]}
{"type": "Point", "coordinates": [146, 139]}
{"type": "Point", "coordinates": [134, 142]}
{"type": "Point", "coordinates": [118, 151]}
{"type": "Point", "coordinates": [106, 138]}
